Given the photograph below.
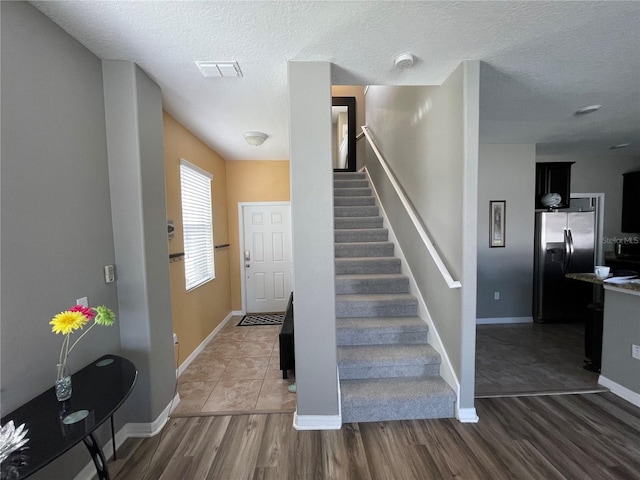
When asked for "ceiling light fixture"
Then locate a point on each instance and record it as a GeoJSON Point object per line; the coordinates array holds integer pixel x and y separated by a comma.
{"type": "Point", "coordinates": [404, 60]}
{"type": "Point", "coordinates": [588, 109]}
{"type": "Point", "coordinates": [255, 138]}
{"type": "Point", "coordinates": [620, 145]}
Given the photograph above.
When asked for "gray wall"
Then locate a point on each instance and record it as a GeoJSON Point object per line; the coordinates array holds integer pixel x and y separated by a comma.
{"type": "Point", "coordinates": [506, 172]}
{"type": "Point", "coordinates": [56, 216]}
{"type": "Point", "coordinates": [621, 330]}
{"type": "Point", "coordinates": [313, 238]}
{"type": "Point", "coordinates": [136, 170]}
{"type": "Point", "coordinates": [427, 135]}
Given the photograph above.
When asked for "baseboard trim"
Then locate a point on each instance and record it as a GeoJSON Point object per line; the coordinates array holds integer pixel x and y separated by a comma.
{"type": "Point", "coordinates": [237, 313]}
{"type": "Point", "coordinates": [184, 365]}
{"type": "Point", "coordinates": [321, 422]}
{"type": "Point", "coordinates": [503, 320]}
{"type": "Point", "coordinates": [467, 415]}
{"type": "Point", "coordinates": [146, 430]}
{"type": "Point", "coordinates": [130, 430]}
{"type": "Point", "coordinates": [317, 422]}
{"type": "Point", "coordinates": [623, 392]}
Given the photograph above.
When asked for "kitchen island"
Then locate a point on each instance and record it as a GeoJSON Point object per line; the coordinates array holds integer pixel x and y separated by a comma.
{"type": "Point", "coordinates": [620, 372]}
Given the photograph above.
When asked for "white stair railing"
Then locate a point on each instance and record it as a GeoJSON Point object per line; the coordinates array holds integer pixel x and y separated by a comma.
{"type": "Point", "coordinates": [413, 215]}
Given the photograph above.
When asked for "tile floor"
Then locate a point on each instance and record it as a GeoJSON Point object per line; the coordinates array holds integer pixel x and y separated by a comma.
{"type": "Point", "coordinates": [237, 372]}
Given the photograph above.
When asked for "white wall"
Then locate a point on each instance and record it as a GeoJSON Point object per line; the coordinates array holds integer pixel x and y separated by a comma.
{"type": "Point", "coordinates": [56, 217]}
{"type": "Point", "coordinates": [313, 241]}
{"type": "Point", "coordinates": [429, 137]}
{"type": "Point", "coordinates": [506, 172]}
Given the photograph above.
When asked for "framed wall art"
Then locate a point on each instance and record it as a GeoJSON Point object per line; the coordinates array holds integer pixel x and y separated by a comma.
{"type": "Point", "coordinates": [497, 216]}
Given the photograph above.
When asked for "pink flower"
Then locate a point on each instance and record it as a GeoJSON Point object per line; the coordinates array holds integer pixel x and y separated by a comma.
{"type": "Point", "coordinates": [87, 312]}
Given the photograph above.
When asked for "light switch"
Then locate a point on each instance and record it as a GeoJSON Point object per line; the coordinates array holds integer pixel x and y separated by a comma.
{"type": "Point", "coordinates": [109, 273]}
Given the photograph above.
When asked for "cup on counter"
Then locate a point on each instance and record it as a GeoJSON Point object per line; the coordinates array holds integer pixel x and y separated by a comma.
{"type": "Point", "coordinates": [602, 271]}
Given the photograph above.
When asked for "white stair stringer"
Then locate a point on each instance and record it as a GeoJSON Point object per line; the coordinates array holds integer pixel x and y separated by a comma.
{"type": "Point", "coordinates": [388, 369]}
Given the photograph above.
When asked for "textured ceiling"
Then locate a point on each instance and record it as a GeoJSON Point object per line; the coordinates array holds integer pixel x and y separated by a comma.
{"type": "Point", "coordinates": [542, 61]}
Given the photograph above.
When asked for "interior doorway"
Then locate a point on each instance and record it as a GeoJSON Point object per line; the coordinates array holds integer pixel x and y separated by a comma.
{"type": "Point", "coordinates": [266, 253]}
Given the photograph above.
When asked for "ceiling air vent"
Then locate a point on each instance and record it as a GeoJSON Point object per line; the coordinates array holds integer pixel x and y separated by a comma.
{"type": "Point", "coordinates": [219, 69]}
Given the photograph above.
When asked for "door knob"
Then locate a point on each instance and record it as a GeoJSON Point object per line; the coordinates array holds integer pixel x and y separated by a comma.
{"type": "Point", "coordinates": [247, 265]}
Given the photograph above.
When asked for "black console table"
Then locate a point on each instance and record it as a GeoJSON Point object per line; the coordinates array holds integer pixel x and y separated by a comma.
{"type": "Point", "coordinates": [285, 340]}
{"type": "Point", "coordinates": [99, 389]}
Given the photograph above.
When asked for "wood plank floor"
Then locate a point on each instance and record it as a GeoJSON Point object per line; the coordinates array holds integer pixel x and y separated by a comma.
{"type": "Point", "coordinates": [589, 436]}
{"type": "Point", "coordinates": [532, 358]}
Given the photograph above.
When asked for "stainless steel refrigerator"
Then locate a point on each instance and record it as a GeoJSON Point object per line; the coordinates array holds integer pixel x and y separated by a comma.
{"type": "Point", "coordinates": [564, 243]}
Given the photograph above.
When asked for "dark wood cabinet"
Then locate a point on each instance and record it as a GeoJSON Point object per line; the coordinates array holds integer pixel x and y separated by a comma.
{"type": "Point", "coordinates": [553, 177]}
{"type": "Point", "coordinates": [631, 202]}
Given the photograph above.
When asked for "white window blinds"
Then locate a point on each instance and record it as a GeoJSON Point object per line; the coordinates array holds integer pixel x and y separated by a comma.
{"type": "Point", "coordinates": [197, 224]}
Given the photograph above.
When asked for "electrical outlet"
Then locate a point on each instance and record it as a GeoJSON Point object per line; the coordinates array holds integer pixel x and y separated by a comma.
{"type": "Point", "coordinates": [496, 295]}
{"type": "Point", "coordinates": [635, 351]}
{"type": "Point", "coordinates": [83, 301]}
{"type": "Point", "coordinates": [175, 338]}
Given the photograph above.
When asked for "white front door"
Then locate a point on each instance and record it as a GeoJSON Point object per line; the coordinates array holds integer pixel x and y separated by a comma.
{"type": "Point", "coordinates": [267, 257]}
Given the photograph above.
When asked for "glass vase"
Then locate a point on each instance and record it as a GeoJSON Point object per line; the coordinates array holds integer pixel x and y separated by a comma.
{"type": "Point", "coordinates": [63, 383]}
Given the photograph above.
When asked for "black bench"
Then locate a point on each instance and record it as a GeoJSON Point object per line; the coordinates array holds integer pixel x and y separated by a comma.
{"type": "Point", "coordinates": [285, 340]}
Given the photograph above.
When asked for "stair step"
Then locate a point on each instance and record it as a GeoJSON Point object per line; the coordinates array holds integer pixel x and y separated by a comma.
{"type": "Point", "coordinates": [349, 175]}
{"type": "Point", "coordinates": [354, 235]}
{"type": "Point", "coordinates": [353, 223]}
{"type": "Point", "coordinates": [352, 192]}
{"type": "Point", "coordinates": [356, 211]}
{"type": "Point", "coordinates": [364, 249]}
{"type": "Point", "coordinates": [381, 331]}
{"type": "Point", "coordinates": [351, 183]}
{"type": "Point", "coordinates": [376, 305]}
{"type": "Point", "coordinates": [382, 399]}
{"type": "Point", "coordinates": [387, 361]}
{"type": "Point", "coordinates": [364, 265]}
{"type": "Point", "coordinates": [371, 283]}
{"type": "Point", "coordinates": [388, 370]}
{"type": "Point", "coordinates": [353, 201]}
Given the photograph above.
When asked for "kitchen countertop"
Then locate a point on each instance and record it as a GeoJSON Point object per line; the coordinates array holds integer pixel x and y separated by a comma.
{"type": "Point", "coordinates": [591, 278]}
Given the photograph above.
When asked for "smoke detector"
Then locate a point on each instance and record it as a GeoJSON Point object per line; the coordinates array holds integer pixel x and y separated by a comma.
{"type": "Point", "coordinates": [404, 60]}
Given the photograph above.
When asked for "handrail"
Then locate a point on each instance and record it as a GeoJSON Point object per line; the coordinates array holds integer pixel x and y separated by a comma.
{"type": "Point", "coordinates": [413, 215]}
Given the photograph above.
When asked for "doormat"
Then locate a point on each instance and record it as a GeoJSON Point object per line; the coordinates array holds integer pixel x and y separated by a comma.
{"type": "Point", "coordinates": [261, 319]}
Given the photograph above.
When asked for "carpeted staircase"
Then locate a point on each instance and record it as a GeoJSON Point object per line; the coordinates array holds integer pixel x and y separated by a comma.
{"type": "Point", "coordinates": [388, 370]}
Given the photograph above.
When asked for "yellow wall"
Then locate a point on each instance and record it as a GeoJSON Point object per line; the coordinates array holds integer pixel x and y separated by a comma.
{"type": "Point", "coordinates": [251, 181]}
{"type": "Point", "coordinates": [198, 312]}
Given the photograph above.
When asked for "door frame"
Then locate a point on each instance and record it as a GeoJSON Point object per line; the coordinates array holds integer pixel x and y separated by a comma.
{"type": "Point", "coordinates": [241, 211]}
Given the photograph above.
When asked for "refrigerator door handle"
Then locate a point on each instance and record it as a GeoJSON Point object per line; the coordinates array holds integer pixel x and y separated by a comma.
{"type": "Point", "coordinates": [571, 249]}
{"type": "Point", "coordinates": [567, 252]}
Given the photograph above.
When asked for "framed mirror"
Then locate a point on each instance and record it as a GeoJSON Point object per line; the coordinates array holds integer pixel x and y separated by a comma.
{"type": "Point", "coordinates": [343, 133]}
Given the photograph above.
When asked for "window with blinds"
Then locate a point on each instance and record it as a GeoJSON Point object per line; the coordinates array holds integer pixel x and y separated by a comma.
{"type": "Point", "coordinates": [197, 224]}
